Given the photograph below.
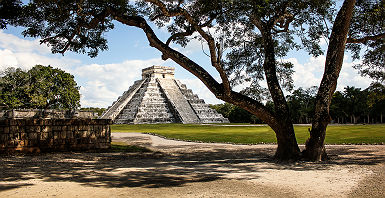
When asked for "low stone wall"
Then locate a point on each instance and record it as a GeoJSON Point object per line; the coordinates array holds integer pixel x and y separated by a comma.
{"type": "Point", "coordinates": [37, 134]}
{"type": "Point", "coordinates": [45, 113]}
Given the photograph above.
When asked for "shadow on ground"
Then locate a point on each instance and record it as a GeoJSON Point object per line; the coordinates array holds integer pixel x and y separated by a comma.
{"type": "Point", "coordinates": [155, 169]}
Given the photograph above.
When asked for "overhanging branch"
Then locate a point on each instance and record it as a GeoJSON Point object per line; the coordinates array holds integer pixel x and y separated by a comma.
{"type": "Point", "coordinates": [216, 88]}
{"type": "Point", "coordinates": [209, 39]}
{"type": "Point", "coordinates": [365, 39]}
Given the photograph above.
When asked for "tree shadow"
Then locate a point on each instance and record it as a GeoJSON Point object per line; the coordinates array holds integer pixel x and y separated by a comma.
{"type": "Point", "coordinates": [150, 170]}
{"type": "Point", "coordinates": [356, 155]}
{"type": "Point", "coordinates": [4, 187]}
{"type": "Point", "coordinates": [156, 169]}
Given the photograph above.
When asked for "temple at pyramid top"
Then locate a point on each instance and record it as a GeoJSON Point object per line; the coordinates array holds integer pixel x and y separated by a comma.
{"type": "Point", "coordinates": [159, 98]}
{"type": "Point", "coordinates": [158, 72]}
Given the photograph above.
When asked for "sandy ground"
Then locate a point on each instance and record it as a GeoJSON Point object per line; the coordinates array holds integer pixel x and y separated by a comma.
{"type": "Point", "coordinates": [186, 169]}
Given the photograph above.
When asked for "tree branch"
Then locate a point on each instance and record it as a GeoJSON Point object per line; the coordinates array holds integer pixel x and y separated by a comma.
{"type": "Point", "coordinates": [216, 88]}
{"type": "Point", "coordinates": [164, 10]}
{"type": "Point", "coordinates": [188, 32]}
{"type": "Point", "coordinates": [209, 39]}
{"type": "Point", "coordinates": [365, 39]}
{"type": "Point", "coordinates": [283, 22]}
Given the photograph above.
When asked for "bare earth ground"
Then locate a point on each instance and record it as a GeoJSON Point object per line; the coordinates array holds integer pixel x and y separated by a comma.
{"type": "Point", "coordinates": [186, 169]}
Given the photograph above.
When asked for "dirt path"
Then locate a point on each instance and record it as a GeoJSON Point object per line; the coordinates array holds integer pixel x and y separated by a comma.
{"type": "Point", "coordinates": [187, 169]}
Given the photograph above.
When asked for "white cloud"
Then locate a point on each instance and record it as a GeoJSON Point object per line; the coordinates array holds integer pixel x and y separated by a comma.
{"type": "Point", "coordinates": [17, 44]}
{"type": "Point", "coordinates": [350, 77]}
{"type": "Point", "coordinates": [18, 52]}
{"type": "Point", "coordinates": [310, 74]}
{"type": "Point", "coordinates": [103, 84]}
{"type": "Point", "coordinates": [192, 47]}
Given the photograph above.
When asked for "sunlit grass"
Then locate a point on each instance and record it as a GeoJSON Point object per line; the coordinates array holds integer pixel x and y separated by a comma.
{"type": "Point", "coordinates": [249, 134]}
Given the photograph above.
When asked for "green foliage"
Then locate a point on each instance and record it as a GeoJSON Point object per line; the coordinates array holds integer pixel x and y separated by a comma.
{"type": "Point", "coordinates": [94, 109]}
{"type": "Point", "coordinates": [41, 87]}
{"type": "Point", "coordinates": [243, 134]}
{"type": "Point", "coordinates": [71, 25]}
{"type": "Point", "coordinates": [236, 32]}
{"type": "Point", "coordinates": [14, 87]}
{"type": "Point", "coordinates": [235, 114]}
{"type": "Point", "coordinates": [376, 99]}
{"type": "Point", "coordinates": [359, 106]}
{"type": "Point", "coordinates": [353, 105]}
{"type": "Point", "coordinates": [367, 33]}
{"type": "Point", "coordinates": [301, 104]}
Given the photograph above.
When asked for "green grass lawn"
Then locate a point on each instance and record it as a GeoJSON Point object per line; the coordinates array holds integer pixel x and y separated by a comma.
{"type": "Point", "coordinates": [336, 134]}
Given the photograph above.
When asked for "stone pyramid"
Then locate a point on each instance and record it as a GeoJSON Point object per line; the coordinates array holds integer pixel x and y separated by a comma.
{"type": "Point", "coordinates": [159, 98]}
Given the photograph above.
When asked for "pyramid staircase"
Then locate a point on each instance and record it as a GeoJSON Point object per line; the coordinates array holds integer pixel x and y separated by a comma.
{"type": "Point", "coordinates": [159, 98]}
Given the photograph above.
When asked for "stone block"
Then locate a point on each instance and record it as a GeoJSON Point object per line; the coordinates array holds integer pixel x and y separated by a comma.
{"type": "Point", "coordinates": [65, 128]}
{"type": "Point", "coordinates": [22, 136]}
{"type": "Point", "coordinates": [56, 128]}
{"type": "Point", "coordinates": [32, 142]}
{"type": "Point", "coordinates": [83, 134]}
{"type": "Point", "coordinates": [62, 134]}
{"type": "Point", "coordinates": [14, 128]}
{"type": "Point", "coordinates": [84, 128]}
{"type": "Point", "coordinates": [19, 143]}
{"type": "Point", "coordinates": [46, 129]}
{"type": "Point", "coordinates": [69, 134]}
{"type": "Point", "coordinates": [44, 136]}
{"type": "Point", "coordinates": [7, 129]}
{"type": "Point", "coordinates": [4, 122]}
{"type": "Point", "coordinates": [13, 122]}
{"type": "Point", "coordinates": [32, 136]}
{"type": "Point", "coordinates": [47, 143]}
{"type": "Point", "coordinates": [33, 129]}
{"type": "Point", "coordinates": [58, 142]}
{"type": "Point", "coordinates": [56, 135]}
{"type": "Point", "coordinates": [4, 138]}
{"type": "Point", "coordinates": [74, 128]}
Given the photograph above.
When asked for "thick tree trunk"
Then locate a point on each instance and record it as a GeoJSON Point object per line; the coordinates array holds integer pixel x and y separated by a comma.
{"type": "Point", "coordinates": [287, 149]}
{"type": "Point", "coordinates": [315, 148]}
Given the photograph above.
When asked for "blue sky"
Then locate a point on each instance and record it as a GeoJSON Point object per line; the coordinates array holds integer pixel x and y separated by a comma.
{"type": "Point", "coordinates": [104, 78]}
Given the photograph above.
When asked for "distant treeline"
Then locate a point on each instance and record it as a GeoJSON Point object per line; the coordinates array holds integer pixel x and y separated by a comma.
{"type": "Point", "coordinates": [352, 105]}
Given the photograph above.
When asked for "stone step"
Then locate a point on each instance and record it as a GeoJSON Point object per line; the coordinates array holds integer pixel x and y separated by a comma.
{"type": "Point", "coordinates": [178, 101]}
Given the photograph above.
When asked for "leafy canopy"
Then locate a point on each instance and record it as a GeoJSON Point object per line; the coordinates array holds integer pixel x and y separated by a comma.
{"type": "Point", "coordinates": [41, 87]}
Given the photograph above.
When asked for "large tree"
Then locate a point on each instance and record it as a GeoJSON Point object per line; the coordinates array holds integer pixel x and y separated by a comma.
{"type": "Point", "coordinates": [258, 34]}
{"type": "Point", "coordinates": [41, 87]}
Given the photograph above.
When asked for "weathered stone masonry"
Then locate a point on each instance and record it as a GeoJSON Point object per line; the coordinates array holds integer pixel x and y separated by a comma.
{"type": "Point", "coordinates": [39, 134]}
{"type": "Point", "coordinates": [159, 98]}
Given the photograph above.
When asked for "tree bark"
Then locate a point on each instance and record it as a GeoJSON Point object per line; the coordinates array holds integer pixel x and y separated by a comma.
{"type": "Point", "coordinates": [287, 143]}
{"type": "Point", "coordinates": [315, 148]}
{"type": "Point", "coordinates": [287, 149]}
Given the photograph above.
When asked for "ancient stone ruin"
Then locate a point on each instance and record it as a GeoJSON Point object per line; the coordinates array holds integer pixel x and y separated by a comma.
{"type": "Point", "coordinates": [36, 130]}
{"type": "Point", "coordinates": [159, 98]}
